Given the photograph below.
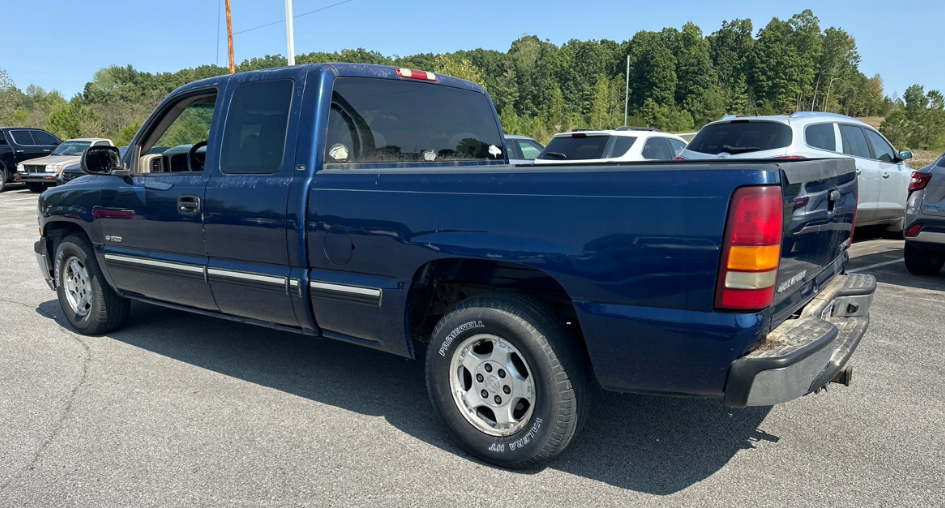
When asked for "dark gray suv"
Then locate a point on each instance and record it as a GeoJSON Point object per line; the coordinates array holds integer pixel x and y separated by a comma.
{"type": "Point", "coordinates": [925, 220]}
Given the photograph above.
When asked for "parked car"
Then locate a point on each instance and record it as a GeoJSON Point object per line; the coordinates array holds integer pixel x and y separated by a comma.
{"type": "Point", "coordinates": [380, 209]}
{"type": "Point", "coordinates": [883, 175]}
{"type": "Point", "coordinates": [522, 149]}
{"type": "Point", "coordinates": [924, 251]}
{"type": "Point", "coordinates": [73, 171]}
{"type": "Point", "coordinates": [623, 144]}
{"type": "Point", "coordinates": [18, 144]}
{"type": "Point", "coordinates": [43, 172]}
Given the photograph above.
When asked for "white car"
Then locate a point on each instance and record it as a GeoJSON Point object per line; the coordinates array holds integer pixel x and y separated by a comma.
{"type": "Point", "coordinates": [882, 174]}
{"type": "Point", "coordinates": [623, 144]}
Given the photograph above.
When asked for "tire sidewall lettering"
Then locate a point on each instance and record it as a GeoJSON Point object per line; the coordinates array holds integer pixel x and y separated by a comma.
{"type": "Point", "coordinates": [451, 337]}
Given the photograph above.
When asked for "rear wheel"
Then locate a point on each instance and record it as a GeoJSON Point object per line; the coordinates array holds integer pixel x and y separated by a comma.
{"type": "Point", "coordinates": [508, 379]}
{"type": "Point", "coordinates": [89, 304]}
{"type": "Point", "coordinates": [922, 261]}
{"type": "Point", "coordinates": [36, 187]}
{"type": "Point", "coordinates": [3, 177]}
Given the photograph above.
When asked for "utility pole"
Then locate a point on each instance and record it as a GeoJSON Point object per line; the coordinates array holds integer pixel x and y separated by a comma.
{"type": "Point", "coordinates": [626, 100]}
{"type": "Point", "coordinates": [289, 38]}
{"type": "Point", "coordinates": [229, 36]}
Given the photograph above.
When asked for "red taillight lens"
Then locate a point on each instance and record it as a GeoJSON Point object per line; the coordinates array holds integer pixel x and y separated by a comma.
{"type": "Point", "coordinates": [919, 180]}
{"type": "Point", "coordinates": [579, 135]}
{"type": "Point", "coordinates": [751, 250]}
{"type": "Point", "coordinates": [790, 157]}
{"type": "Point", "coordinates": [678, 158]}
{"type": "Point", "coordinates": [914, 230]}
{"type": "Point", "coordinates": [801, 202]}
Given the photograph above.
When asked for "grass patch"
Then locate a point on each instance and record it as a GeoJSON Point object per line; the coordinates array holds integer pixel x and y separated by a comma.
{"type": "Point", "coordinates": [922, 158]}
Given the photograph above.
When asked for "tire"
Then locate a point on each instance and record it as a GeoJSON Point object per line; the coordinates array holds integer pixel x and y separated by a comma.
{"type": "Point", "coordinates": [87, 301]}
{"type": "Point", "coordinates": [922, 262]}
{"type": "Point", "coordinates": [531, 369]}
{"type": "Point", "coordinates": [3, 177]}
{"type": "Point", "coordinates": [36, 187]}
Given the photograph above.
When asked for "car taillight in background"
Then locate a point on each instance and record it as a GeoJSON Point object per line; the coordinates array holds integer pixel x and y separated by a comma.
{"type": "Point", "coordinates": [678, 158]}
{"type": "Point", "coordinates": [751, 249]}
{"type": "Point", "coordinates": [914, 230]}
{"type": "Point", "coordinates": [790, 157]}
{"type": "Point", "coordinates": [919, 181]}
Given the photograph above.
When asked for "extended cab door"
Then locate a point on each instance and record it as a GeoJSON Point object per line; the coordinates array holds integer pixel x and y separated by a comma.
{"type": "Point", "coordinates": [25, 147]}
{"type": "Point", "coordinates": [245, 212]}
{"type": "Point", "coordinates": [151, 221]}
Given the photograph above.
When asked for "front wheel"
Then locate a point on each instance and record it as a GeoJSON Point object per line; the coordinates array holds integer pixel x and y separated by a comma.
{"type": "Point", "coordinates": [921, 261]}
{"type": "Point", "coordinates": [508, 379]}
{"type": "Point", "coordinates": [89, 304]}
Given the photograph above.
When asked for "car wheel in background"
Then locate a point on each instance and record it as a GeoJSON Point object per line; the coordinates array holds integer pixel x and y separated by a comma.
{"type": "Point", "coordinates": [36, 187]}
{"type": "Point", "coordinates": [921, 261]}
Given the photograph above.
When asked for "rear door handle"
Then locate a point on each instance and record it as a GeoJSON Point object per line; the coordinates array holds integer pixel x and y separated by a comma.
{"type": "Point", "coordinates": [885, 175]}
{"type": "Point", "coordinates": [188, 205]}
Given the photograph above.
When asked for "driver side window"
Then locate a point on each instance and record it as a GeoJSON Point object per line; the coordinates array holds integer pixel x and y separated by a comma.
{"type": "Point", "coordinates": [178, 141]}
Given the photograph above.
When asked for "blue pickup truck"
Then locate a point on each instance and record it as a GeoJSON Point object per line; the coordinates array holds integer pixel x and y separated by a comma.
{"type": "Point", "coordinates": [376, 206]}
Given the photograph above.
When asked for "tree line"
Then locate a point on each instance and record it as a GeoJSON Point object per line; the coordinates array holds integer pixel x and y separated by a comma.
{"type": "Point", "coordinates": [679, 79]}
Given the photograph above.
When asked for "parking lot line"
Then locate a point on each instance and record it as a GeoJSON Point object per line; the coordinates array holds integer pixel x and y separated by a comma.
{"type": "Point", "coordinates": [877, 265]}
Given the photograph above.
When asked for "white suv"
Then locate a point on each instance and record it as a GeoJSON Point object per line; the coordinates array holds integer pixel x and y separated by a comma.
{"type": "Point", "coordinates": [883, 175]}
{"type": "Point", "coordinates": [620, 145]}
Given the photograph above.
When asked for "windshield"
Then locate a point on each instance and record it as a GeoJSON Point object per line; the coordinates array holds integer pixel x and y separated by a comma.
{"type": "Point", "coordinates": [71, 148]}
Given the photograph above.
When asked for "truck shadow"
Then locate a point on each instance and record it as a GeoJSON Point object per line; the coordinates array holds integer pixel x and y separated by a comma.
{"type": "Point", "coordinates": [655, 445]}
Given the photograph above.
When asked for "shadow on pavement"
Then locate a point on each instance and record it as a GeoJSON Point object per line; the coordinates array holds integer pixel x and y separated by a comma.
{"type": "Point", "coordinates": [656, 445]}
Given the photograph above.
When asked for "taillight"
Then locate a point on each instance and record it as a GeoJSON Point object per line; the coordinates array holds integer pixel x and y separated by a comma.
{"type": "Point", "coordinates": [919, 181]}
{"type": "Point", "coordinates": [415, 74]}
{"type": "Point", "coordinates": [579, 135]}
{"type": "Point", "coordinates": [914, 230]}
{"type": "Point", "coordinates": [790, 157]}
{"type": "Point", "coordinates": [751, 249]}
{"type": "Point", "coordinates": [678, 158]}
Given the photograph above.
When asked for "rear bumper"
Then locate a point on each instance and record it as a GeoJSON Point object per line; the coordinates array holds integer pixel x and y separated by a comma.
{"type": "Point", "coordinates": [802, 355]}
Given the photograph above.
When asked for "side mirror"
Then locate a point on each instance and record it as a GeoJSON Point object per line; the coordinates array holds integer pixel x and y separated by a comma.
{"type": "Point", "coordinates": [100, 160]}
{"type": "Point", "coordinates": [905, 155]}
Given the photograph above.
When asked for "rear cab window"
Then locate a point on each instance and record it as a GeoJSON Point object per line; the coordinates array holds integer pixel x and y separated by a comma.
{"type": "Point", "coordinates": [22, 137]}
{"type": "Point", "coordinates": [254, 136]}
{"type": "Point", "coordinates": [385, 121]}
{"type": "Point", "coordinates": [741, 136]}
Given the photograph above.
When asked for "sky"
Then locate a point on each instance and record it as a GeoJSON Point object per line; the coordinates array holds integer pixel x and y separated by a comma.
{"type": "Point", "coordinates": [59, 44]}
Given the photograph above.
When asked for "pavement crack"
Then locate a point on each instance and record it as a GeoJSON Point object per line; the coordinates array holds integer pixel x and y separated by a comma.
{"type": "Point", "coordinates": [70, 399]}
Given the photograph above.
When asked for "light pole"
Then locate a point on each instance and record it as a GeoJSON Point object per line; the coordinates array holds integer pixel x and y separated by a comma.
{"type": "Point", "coordinates": [289, 39]}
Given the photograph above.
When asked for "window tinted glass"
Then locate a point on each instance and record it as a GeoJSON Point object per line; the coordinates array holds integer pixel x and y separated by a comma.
{"type": "Point", "coordinates": [21, 137]}
{"type": "Point", "coordinates": [657, 149]}
{"type": "Point", "coordinates": [382, 120]}
{"type": "Point", "coordinates": [3, 140]}
{"type": "Point", "coordinates": [514, 149]}
{"type": "Point", "coordinates": [44, 138]}
{"type": "Point", "coordinates": [741, 137]}
{"type": "Point", "coordinates": [621, 145]}
{"type": "Point", "coordinates": [854, 143]}
{"type": "Point", "coordinates": [588, 147]}
{"type": "Point", "coordinates": [821, 136]}
{"type": "Point", "coordinates": [530, 149]}
{"type": "Point", "coordinates": [254, 135]}
{"type": "Point", "coordinates": [881, 149]}
{"type": "Point", "coordinates": [677, 146]}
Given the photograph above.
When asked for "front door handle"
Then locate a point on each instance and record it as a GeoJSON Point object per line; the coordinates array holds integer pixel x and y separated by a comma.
{"type": "Point", "coordinates": [188, 205]}
{"type": "Point", "coordinates": [885, 175]}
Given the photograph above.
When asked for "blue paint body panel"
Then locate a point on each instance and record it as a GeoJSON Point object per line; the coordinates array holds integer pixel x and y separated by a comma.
{"type": "Point", "coordinates": [335, 250]}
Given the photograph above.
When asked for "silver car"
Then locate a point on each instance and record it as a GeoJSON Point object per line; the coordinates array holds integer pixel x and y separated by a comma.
{"type": "Point", "coordinates": [925, 220]}
{"type": "Point", "coordinates": [882, 173]}
{"type": "Point", "coordinates": [522, 149]}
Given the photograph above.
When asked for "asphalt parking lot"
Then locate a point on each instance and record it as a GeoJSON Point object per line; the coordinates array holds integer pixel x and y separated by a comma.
{"type": "Point", "coordinates": [183, 410]}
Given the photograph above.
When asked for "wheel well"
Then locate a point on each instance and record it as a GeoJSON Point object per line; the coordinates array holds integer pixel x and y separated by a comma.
{"type": "Point", "coordinates": [439, 285]}
{"type": "Point", "coordinates": [56, 231]}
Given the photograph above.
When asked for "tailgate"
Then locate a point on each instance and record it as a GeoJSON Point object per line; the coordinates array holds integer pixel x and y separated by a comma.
{"type": "Point", "coordinates": [819, 208]}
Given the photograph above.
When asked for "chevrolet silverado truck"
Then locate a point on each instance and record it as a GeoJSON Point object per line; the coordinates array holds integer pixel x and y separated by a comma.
{"type": "Point", "coordinates": [376, 206]}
